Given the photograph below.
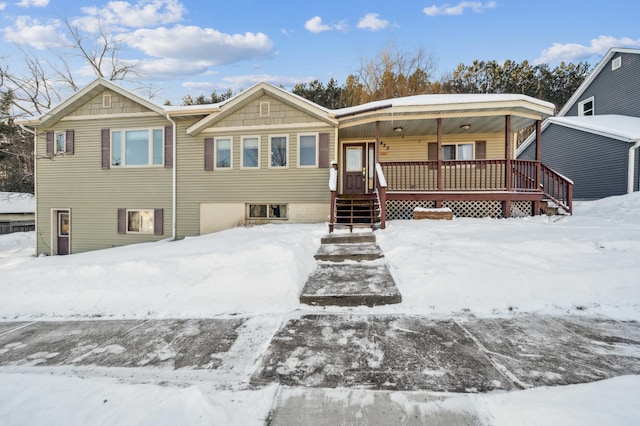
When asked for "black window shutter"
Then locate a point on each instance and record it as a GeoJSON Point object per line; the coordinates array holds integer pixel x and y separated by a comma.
{"type": "Point", "coordinates": [208, 154]}
{"type": "Point", "coordinates": [323, 151]}
{"type": "Point", "coordinates": [50, 143]}
{"type": "Point", "coordinates": [168, 146]}
{"type": "Point", "coordinates": [158, 221]}
{"type": "Point", "coordinates": [106, 145]}
{"type": "Point", "coordinates": [69, 142]}
{"type": "Point", "coordinates": [122, 221]}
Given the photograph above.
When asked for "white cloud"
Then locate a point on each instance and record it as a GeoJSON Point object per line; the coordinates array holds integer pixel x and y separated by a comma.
{"type": "Point", "coordinates": [34, 3]}
{"type": "Point", "coordinates": [191, 50]}
{"type": "Point", "coordinates": [574, 51]}
{"type": "Point", "coordinates": [121, 14]}
{"type": "Point", "coordinates": [446, 9]}
{"type": "Point", "coordinates": [316, 26]}
{"type": "Point", "coordinates": [2, 6]}
{"type": "Point", "coordinates": [31, 32]}
{"type": "Point", "coordinates": [372, 22]}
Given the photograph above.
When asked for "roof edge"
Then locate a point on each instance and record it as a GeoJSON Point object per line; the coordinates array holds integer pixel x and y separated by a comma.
{"type": "Point", "coordinates": [592, 76]}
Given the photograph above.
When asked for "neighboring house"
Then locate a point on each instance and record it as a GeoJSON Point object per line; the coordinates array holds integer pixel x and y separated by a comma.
{"type": "Point", "coordinates": [17, 212]}
{"type": "Point", "coordinates": [115, 169]}
{"type": "Point", "coordinates": [595, 138]}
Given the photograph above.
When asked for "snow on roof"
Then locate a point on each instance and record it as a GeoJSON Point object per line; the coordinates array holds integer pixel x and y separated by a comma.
{"type": "Point", "coordinates": [16, 202]}
{"type": "Point", "coordinates": [622, 127]}
{"type": "Point", "coordinates": [442, 99]}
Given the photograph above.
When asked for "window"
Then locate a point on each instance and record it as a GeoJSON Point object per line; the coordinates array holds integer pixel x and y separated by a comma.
{"type": "Point", "coordinates": [63, 224]}
{"type": "Point", "coordinates": [307, 151]}
{"type": "Point", "coordinates": [106, 100]}
{"type": "Point", "coordinates": [140, 222]}
{"type": "Point", "coordinates": [587, 107]}
{"type": "Point", "coordinates": [267, 211]}
{"type": "Point", "coordinates": [137, 147]}
{"type": "Point", "coordinates": [278, 150]}
{"type": "Point", "coordinates": [461, 151]}
{"type": "Point", "coordinates": [250, 152]}
{"type": "Point", "coordinates": [61, 142]}
{"type": "Point", "coordinates": [223, 153]}
{"type": "Point", "coordinates": [616, 63]}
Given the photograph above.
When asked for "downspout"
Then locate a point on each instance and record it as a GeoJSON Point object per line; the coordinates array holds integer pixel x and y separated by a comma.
{"type": "Point", "coordinates": [631, 166]}
{"type": "Point", "coordinates": [173, 178]}
{"type": "Point", "coordinates": [35, 164]}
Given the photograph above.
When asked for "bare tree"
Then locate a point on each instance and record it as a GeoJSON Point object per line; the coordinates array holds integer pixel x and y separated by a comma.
{"type": "Point", "coordinates": [390, 74]}
{"type": "Point", "coordinates": [41, 83]}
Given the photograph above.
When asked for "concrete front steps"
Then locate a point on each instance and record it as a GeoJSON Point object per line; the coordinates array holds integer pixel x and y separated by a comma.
{"type": "Point", "coordinates": [351, 272]}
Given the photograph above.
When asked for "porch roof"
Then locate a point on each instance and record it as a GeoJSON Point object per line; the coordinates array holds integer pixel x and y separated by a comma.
{"type": "Point", "coordinates": [416, 115]}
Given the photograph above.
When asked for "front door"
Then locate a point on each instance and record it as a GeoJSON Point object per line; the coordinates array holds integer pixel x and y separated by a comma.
{"type": "Point", "coordinates": [64, 228]}
{"type": "Point", "coordinates": [355, 172]}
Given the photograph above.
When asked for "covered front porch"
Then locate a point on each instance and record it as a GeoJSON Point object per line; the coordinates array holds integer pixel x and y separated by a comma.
{"type": "Point", "coordinates": [435, 151]}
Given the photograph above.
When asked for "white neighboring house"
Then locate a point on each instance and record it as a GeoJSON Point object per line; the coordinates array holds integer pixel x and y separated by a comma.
{"type": "Point", "coordinates": [17, 212]}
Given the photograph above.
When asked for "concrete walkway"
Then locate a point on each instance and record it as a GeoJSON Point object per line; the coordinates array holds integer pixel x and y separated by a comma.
{"type": "Point", "coordinates": [350, 368]}
{"type": "Point", "coordinates": [351, 271]}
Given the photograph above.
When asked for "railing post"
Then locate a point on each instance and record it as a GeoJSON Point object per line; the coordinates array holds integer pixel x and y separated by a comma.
{"type": "Point", "coordinates": [333, 187]}
{"type": "Point", "coordinates": [381, 187]}
{"type": "Point", "coordinates": [439, 158]}
{"type": "Point", "coordinates": [506, 205]}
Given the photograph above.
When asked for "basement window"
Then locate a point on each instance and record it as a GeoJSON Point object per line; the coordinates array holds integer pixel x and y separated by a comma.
{"type": "Point", "coordinates": [267, 211]}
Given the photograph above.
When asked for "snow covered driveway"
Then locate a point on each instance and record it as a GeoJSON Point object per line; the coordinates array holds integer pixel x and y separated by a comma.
{"type": "Point", "coordinates": [409, 353]}
{"type": "Point", "coordinates": [382, 352]}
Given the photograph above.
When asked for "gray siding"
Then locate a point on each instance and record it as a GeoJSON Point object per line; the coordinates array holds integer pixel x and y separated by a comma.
{"type": "Point", "coordinates": [530, 152]}
{"type": "Point", "coordinates": [636, 172]}
{"type": "Point", "coordinates": [615, 92]}
{"type": "Point", "coordinates": [596, 164]}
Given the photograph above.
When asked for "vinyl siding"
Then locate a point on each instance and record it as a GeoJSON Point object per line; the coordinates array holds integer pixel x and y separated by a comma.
{"type": "Point", "coordinates": [596, 164]}
{"type": "Point", "coordinates": [78, 182]}
{"type": "Point", "coordinates": [119, 105]}
{"type": "Point", "coordinates": [415, 149]}
{"type": "Point", "coordinates": [615, 92]}
{"type": "Point", "coordinates": [263, 185]}
{"type": "Point", "coordinates": [636, 172]}
{"type": "Point", "coordinates": [280, 113]}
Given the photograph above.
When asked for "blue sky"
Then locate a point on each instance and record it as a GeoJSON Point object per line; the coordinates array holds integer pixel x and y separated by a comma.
{"type": "Point", "coordinates": [195, 47]}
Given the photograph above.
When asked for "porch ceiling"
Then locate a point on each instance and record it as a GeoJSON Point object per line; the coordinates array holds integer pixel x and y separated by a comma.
{"type": "Point", "coordinates": [420, 126]}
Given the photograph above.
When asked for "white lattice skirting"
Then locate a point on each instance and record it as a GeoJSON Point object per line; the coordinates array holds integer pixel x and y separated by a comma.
{"type": "Point", "coordinates": [403, 209]}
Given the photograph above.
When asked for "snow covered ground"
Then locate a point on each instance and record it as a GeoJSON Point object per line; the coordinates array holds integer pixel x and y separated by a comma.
{"type": "Point", "coordinates": [586, 264]}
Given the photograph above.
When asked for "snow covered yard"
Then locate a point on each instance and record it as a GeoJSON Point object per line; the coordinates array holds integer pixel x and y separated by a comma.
{"type": "Point", "coordinates": [587, 264]}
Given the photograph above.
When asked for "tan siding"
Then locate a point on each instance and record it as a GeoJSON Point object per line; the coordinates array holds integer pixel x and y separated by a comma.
{"type": "Point", "coordinates": [119, 105]}
{"type": "Point", "coordinates": [415, 148]}
{"type": "Point", "coordinates": [280, 113]}
{"type": "Point", "coordinates": [94, 195]}
{"type": "Point", "coordinates": [265, 185]}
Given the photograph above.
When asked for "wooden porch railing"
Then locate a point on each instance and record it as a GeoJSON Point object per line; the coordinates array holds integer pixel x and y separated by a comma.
{"type": "Point", "coordinates": [460, 175]}
{"type": "Point", "coordinates": [557, 188]}
{"type": "Point", "coordinates": [381, 191]}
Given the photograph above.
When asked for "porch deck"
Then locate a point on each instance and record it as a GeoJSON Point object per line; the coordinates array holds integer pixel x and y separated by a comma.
{"type": "Point", "coordinates": [495, 188]}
